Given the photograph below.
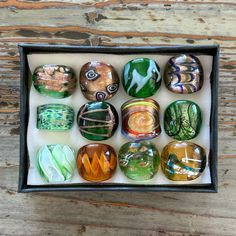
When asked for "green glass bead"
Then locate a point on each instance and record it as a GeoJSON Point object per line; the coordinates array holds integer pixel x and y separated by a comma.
{"type": "Point", "coordinates": [139, 160]}
{"type": "Point", "coordinates": [182, 120]}
{"type": "Point", "coordinates": [55, 81]}
{"type": "Point", "coordinates": [56, 163]}
{"type": "Point", "coordinates": [55, 117]}
{"type": "Point", "coordinates": [141, 77]}
{"type": "Point", "coordinates": [97, 120]}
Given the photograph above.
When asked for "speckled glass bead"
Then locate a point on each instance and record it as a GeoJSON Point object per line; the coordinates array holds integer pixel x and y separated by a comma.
{"type": "Point", "coordinates": [139, 160]}
{"type": "Point", "coordinates": [97, 120]}
{"type": "Point", "coordinates": [98, 81]}
{"type": "Point", "coordinates": [140, 118]}
{"type": "Point", "coordinates": [183, 74]}
{"type": "Point", "coordinates": [56, 163]}
{"type": "Point", "coordinates": [183, 161]}
{"type": "Point", "coordinates": [141, 77]}
{"type": "Point", "coordinates": [182, 120]}
{"type": "Point", "coordinates": [56, 81]}
{"type": "Point", "coordinates": [55, 117]}
{"type": "Point", "coordinates": [96, 162]}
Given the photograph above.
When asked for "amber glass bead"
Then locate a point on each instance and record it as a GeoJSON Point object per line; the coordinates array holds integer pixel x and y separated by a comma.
{"type": "Point", "coordinates": [96, 162]}
{"type": "Point", "coordinates": [183, 161]}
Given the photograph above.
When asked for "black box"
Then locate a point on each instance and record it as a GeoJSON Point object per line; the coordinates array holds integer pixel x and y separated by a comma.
{"type": "Point", "coordinates": [26, 49]}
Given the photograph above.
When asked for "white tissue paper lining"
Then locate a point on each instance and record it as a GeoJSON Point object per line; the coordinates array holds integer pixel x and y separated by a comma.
{"type": "Point", "coordinates": [36, 138]}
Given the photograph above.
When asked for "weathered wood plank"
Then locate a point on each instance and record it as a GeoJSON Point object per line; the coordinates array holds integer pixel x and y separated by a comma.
{"type": "Point", "coordinates": [101, 4]}
{"type": "Point", "coordinates": [34, 228]}
{"type": "Point", "coordinates": [213, 21]}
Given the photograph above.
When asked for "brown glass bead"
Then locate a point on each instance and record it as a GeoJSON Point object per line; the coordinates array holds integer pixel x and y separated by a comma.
{"type": "Point", "coordinates": [184, 74]}
{"type": "Point", "coordinates": [96, 162]}
{"type": "Point", "coordinates": [98, 81]}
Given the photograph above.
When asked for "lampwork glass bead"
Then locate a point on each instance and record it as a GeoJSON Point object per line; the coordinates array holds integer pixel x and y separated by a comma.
{"type": "Point", "coordinates": [183, 74]}
{"type": "Point", "coordinates": [140, 118]}
{"type": "Point", "coordinates": [55, 117]}
{"type": "Point", "coordinates": [141, 77]}
{"type": "Point", "coordinates": [56, 81]}
{"type": "Point", "coordinates": [98, 81]}
{"type": "Point", "coordinates": [139, 160]}
{"type": "Point", "coordinates": [97, 120]}
{"type": "Point", "coordinates": [96, 162]}
{"type": "Point", "coordinates": [56, 163]}
{"type": "Point", "coordinates": [183, 161]}
{"type": "Point", "coordinates": [182, 120]}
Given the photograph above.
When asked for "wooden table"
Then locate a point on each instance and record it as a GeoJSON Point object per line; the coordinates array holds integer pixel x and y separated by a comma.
{"type": "Point", "coordinates": [114, 22]}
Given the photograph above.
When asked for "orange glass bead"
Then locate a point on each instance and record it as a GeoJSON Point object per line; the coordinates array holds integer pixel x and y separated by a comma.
{"type": "Point", "coordinates": [96, 162]}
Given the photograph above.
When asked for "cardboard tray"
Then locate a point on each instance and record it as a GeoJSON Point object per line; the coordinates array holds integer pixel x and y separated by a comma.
{"type": "Point", "coordinates": [26, 49]}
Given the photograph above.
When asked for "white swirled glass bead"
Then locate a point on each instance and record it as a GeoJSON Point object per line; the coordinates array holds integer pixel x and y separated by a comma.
{"type": "Point", "coordinates": [56, 163]}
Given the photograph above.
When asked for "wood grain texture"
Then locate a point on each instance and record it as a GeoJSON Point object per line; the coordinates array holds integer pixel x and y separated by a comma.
{"type": "Point", "coordinates": [114, 22]}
